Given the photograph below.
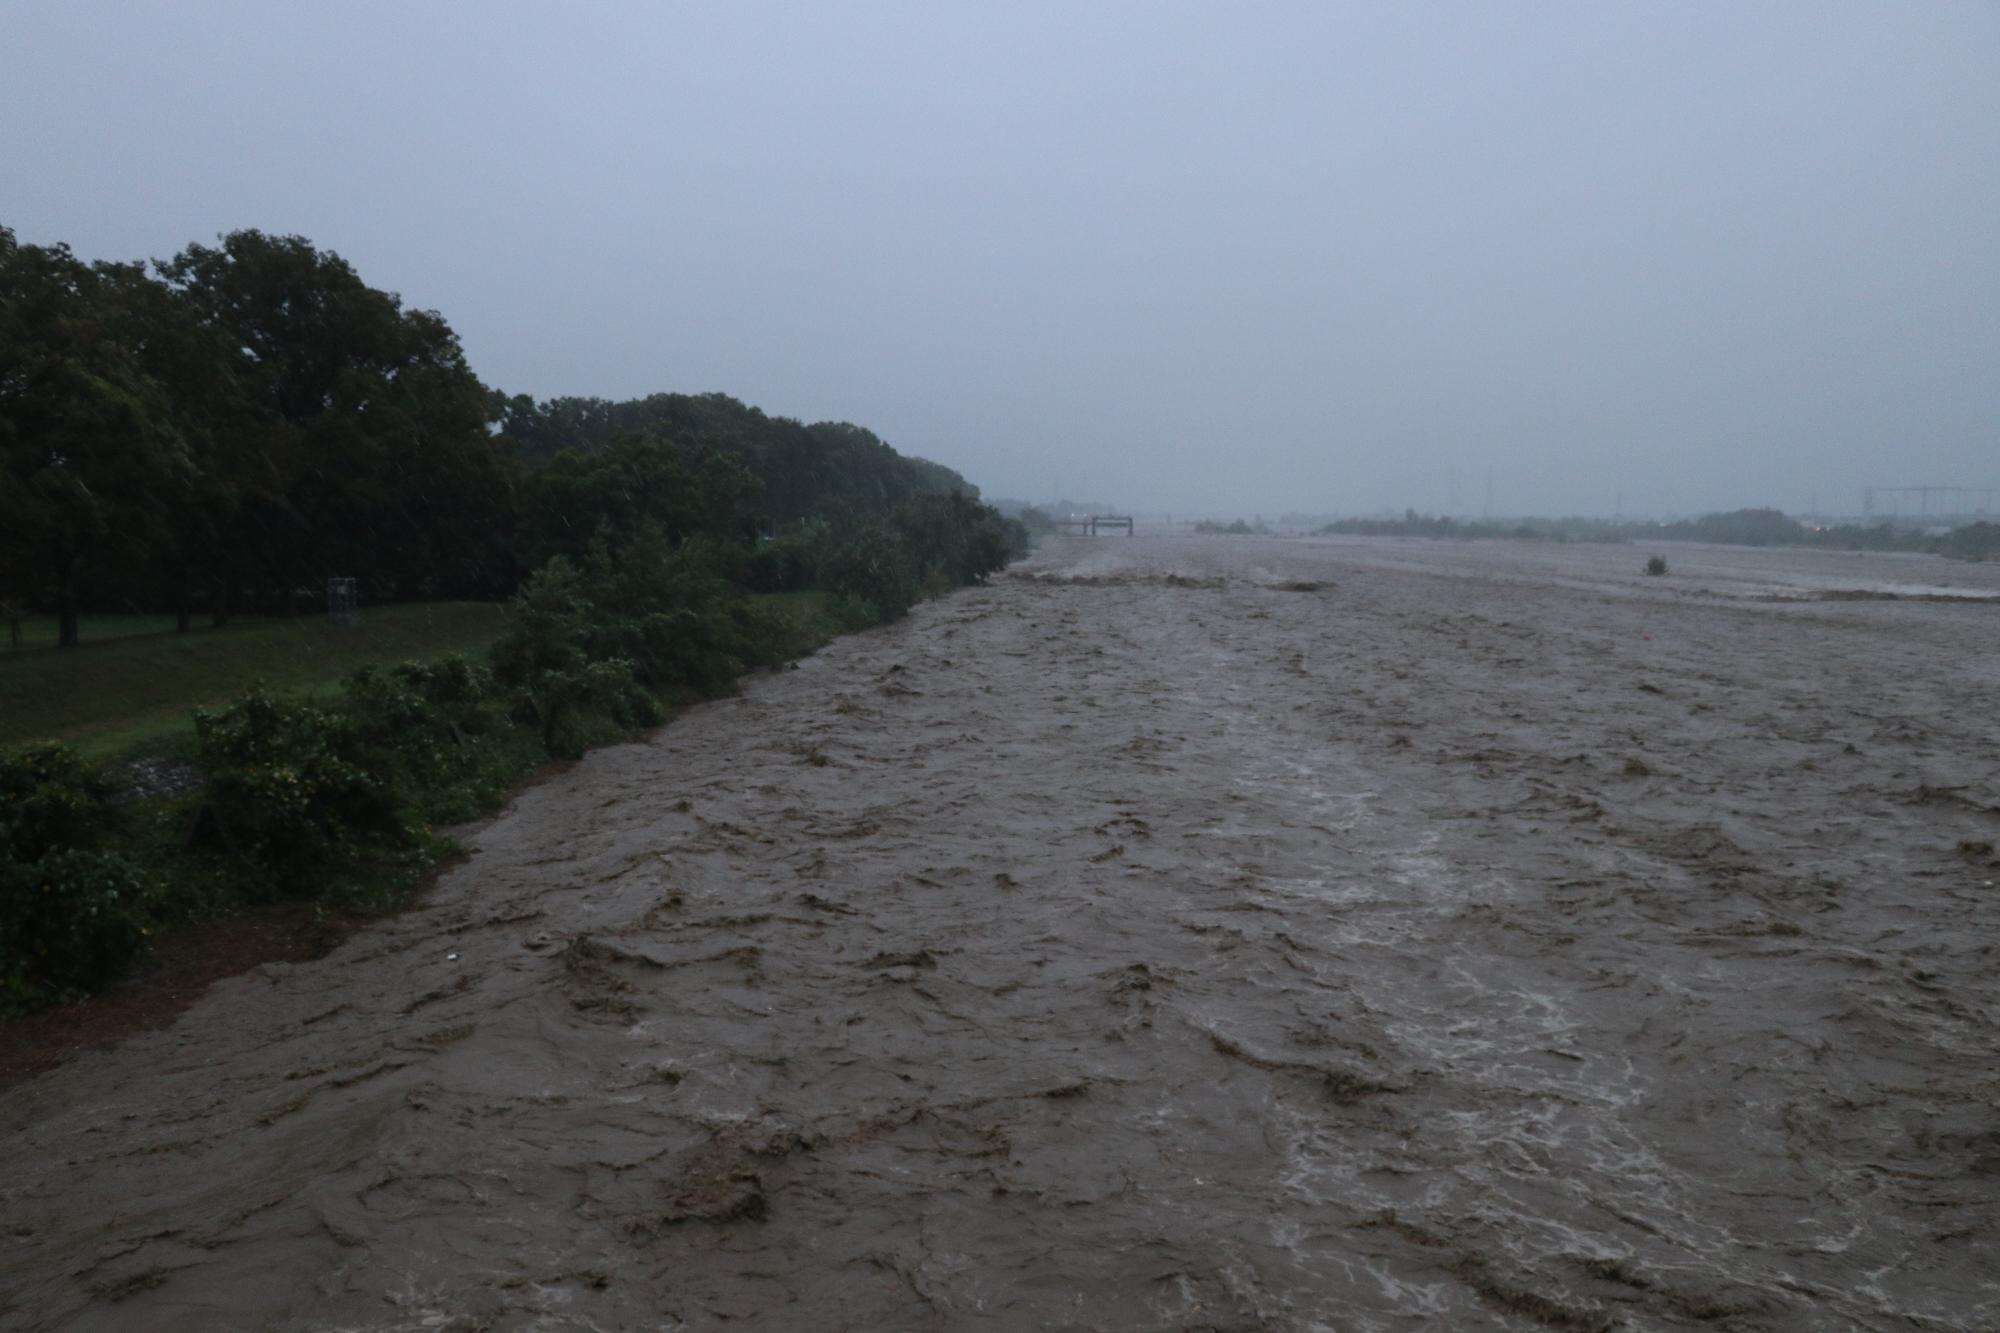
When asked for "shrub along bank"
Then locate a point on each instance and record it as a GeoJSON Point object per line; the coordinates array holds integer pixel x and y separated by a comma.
{"type": "Point", "coordinates": [334, 800]}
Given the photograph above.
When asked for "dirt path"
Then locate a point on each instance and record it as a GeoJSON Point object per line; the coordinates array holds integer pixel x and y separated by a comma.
{"type": "Point", "coordinates": [1177, 934]}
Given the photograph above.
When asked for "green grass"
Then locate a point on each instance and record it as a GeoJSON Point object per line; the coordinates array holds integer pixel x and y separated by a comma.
{"type": "Point", "coordinates": [127, 687]}
{"type": "Point", "coordinates": [40, 631]}
{"type": "Point", "coordinates": [115, 695]}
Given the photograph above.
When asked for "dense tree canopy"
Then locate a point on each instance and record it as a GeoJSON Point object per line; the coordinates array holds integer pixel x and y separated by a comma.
{"type": "Point", "coordinates": [371, 439]}
{"type": "Point", "coordinates": [815, 471]}
{"type": "Point", "coordinates": [239, 423]}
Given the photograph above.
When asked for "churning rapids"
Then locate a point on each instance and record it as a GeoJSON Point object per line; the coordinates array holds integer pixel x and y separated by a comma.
{"type": "Point", "coordinates": [1179, 933]}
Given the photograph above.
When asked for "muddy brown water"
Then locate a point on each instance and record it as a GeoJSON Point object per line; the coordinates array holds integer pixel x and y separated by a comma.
{"type": "Point", "coordinates": [1177, 933]}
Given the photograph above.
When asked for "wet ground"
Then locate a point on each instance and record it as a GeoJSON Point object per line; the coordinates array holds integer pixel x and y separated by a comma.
{"type": "Point", "coordinates": [1177, 934]}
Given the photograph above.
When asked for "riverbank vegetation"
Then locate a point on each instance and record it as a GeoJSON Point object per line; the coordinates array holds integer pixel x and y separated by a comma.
{"type": "Point", "coordinates": [1739, 527]}
{"type": "Point", "coordinates": [221, 434]}
{"type": "Point", "coordinates": [125, 692]}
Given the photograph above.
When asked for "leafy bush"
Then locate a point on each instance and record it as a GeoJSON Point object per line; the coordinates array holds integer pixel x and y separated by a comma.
{"type": "Point", "coordinates": [413, 703]}
{"type": "Point", "coordinates": [71, 916]}
{"type": "Point", "coordinates": [953, 540]}
{"type": "Point", "coordinates": [697, 649]}
{"type": "Point", "coordinates": [872, 567]}
{"type": "Point", "coordinates": [284, 789]}
{"type": "Point", "coordinates": [50, 800]}
{"type": "Point", "coordinates": [545, 657]}
{"type": "Point", "coordinates": [566, 703]}
{"type": "Point", "coordinates": [438, 731]}
{"type": "Point", "coordinates": [790, 562]}
{"type": "Point", "coordinates": [548, 622]}
{"type": "Point", "coordinates": [672, 611]}
{"type": "Point", "coordinates": [1656, 565]}
{"type": "Point", "coordinates": [69, 922]}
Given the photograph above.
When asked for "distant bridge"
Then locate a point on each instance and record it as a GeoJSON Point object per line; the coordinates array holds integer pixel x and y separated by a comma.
{"type": "Point", "coordinates": [1090, 523]}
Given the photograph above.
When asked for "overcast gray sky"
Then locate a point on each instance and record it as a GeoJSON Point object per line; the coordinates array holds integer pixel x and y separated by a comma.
{"type": "Point", "coordinates": [1191, 256]}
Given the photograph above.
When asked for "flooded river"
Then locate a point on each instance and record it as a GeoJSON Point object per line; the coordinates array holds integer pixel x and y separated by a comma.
{"type": "Point", "coordinates": [1179, 933]}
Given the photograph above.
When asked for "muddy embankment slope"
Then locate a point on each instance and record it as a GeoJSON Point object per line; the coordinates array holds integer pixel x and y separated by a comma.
{"type": "Point", "coordinates": [1176, 934]}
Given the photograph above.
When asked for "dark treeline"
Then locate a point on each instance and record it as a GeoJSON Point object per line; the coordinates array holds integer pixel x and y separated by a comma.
{"type": "Point", "coordinates": [1738, 527]}
{"type": "Point", "coordinates": [802, 470]}
{"type": "Point", "coordinates": [231, 427]}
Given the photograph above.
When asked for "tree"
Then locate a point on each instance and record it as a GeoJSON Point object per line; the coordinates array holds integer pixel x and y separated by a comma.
{"type": "Point", "coordinates": [829, 469]}
{"type": "Point", "coordinates": [91, 451]}
{"type": "Point", "coordinates": [369, 452]}
{"type": "Point", "coordinates": [632, 489]}
{"type": "Point", "coordinates": [194, 365]}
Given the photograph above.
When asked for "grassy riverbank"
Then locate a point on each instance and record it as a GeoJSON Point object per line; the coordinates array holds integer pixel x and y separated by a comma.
{"type": "Point", "coordinates": [111, 695]}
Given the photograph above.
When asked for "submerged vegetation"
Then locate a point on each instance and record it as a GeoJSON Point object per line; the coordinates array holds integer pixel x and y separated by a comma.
{"type": "Point", "coordinates": [229, 430]}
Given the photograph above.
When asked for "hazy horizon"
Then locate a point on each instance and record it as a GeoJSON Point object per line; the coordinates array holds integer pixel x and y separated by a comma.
{"type": "Point", "coordinates": [1289, 257]}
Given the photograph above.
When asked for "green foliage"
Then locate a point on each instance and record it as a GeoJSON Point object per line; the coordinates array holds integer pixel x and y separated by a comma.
{"type": "Point", "coordinates": [91, 450]}
{"type": "Point", "coordinates": [691, 648]}
{"type": "Point", "coordinates": [953, 540]}
{"type": "Point", "coordinates": [829, 469]}
{"type": "Point", "coordinates": [51, 800]}
{"type": "Point", "coordinates": [545, 657]}
{"type": "Point", "coordinates": [255, 417]}
{"type": "Point", "coordinates": [792, 561]}
{"type": "Point", "coordinates": [929, 545]}
{"type": "Point", "coordinates": [365, 448]}
{"type": "Point", "coordinates": [674, 611]}
{"type": "Point", "coordinates": [250, 418]}
{"type": "Point", "coordinates": [116, 692]}
{"type": "Point", "coordinates": [284, 790]}
{"type": "Point", "coordinates": [779, 628]}
{"type": "Point", "coordinates": [437, 731]}
{"type": "Point", "coordinates": [69, 922]}
{"type": "Point", "coordinates": [548, 622]}
{"type": "Point", "coordinates": [416, 706]}
{"type": "Point", "coordinates": [873, 568]}
{"type": "Point", "coordinates": [636, 489]}
{"type": "Point", "coordinates": [71, 916]}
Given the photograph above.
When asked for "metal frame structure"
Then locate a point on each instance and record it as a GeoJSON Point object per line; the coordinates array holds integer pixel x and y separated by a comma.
{"type": "Point", "coordinates": [343, 601]}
